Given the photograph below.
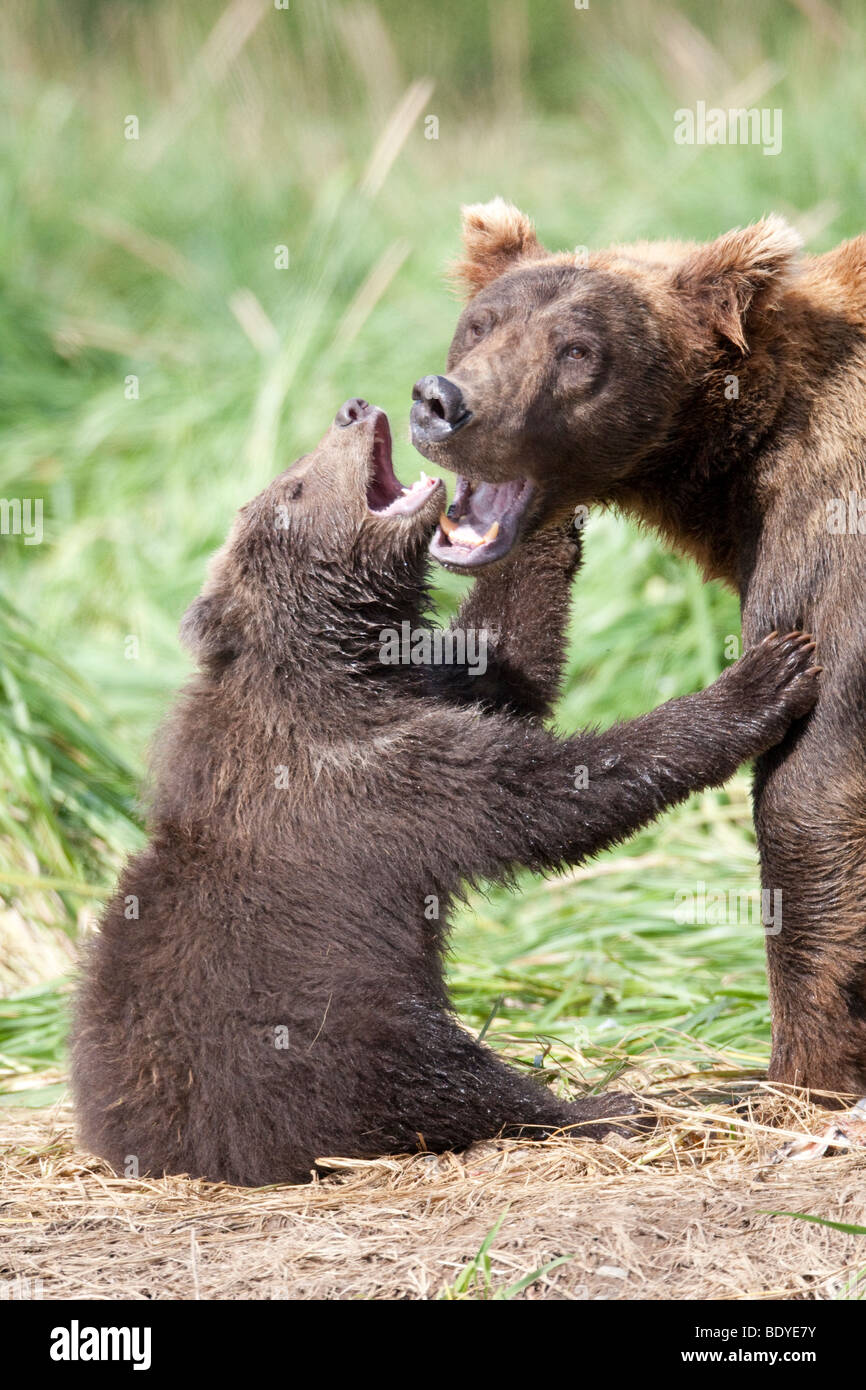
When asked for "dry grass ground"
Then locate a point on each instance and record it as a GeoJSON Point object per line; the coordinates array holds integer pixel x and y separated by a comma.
{"type": "Point", "coordinates": [684, 1213]}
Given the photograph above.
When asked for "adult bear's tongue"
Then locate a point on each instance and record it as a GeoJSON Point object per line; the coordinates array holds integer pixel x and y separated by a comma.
{"type": "Point", "coordinates": [482, 523]}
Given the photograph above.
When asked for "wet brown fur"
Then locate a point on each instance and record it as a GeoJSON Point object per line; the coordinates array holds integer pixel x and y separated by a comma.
{"type": "Point", "coordinates": [267, 989]}
{"type": "Point", "coordinates": [741, 485]}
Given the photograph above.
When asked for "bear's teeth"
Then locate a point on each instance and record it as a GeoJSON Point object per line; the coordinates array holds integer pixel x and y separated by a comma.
{"type": "Point", "coordinates": [456, 531]}
{"type": "Point", "coordinates": [418, 485]}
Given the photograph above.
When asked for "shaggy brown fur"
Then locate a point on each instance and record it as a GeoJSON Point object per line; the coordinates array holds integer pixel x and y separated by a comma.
{"type": "Point", "coordinates": [267, 987]}
{"type": "Point", "coordinates": [718, 393]}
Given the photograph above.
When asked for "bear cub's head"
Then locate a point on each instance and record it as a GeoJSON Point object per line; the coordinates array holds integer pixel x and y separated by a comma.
{"type": "Point", "coordinates": [566, 371]}
{"type": "Point", "coordinates": [331, 549]}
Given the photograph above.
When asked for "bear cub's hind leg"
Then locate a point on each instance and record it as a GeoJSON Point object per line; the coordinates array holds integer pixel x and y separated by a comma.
{"type": "Point", "coordinates": [440, 1089]}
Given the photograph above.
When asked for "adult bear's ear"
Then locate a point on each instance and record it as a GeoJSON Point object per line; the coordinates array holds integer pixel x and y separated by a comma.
{"type": "Point", "coordinates": [740, 272]}
{"type": "Point", "coordinates": [496, 235]}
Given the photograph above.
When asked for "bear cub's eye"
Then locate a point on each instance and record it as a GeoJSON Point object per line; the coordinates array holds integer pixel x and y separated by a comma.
{"type": "Point", "coordinates": [475, 331]}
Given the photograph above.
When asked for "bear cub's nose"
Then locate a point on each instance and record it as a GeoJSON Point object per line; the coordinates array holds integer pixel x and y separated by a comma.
{"type": "Point", "coordinates": [351, 411]}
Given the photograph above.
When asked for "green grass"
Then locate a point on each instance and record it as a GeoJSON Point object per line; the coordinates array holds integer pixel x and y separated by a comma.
{"type": "Point", "coordinates": [154, 259]}
{"type": "Point", "coordinates": [852, 1289]}
{"type": "Point", "coordinates": [475, 1282]}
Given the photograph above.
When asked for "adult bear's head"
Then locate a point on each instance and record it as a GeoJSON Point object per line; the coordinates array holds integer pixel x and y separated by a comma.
{"type": "Point", "coordinates": [567, 371]}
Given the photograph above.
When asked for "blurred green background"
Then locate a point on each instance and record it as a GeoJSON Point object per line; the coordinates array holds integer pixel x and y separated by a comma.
{"type": "Point", "coordinates": [148, 266]}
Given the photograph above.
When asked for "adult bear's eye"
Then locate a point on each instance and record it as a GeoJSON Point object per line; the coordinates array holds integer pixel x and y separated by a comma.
{"type": "Point", "coordinates": [475, 332]}
{"type": "Point", "coordinates": [576, 352]}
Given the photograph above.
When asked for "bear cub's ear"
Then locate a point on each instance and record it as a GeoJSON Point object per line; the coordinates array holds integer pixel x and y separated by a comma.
{"type": "Point", "coordinates": [740, 272]}
{"type": "Point", "coordinates": [205, 632]}
{"type": "Point", "coordinates": [496, 235]}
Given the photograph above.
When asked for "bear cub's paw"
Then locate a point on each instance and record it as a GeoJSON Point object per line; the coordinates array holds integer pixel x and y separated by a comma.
{"type": "Point", "coordinates": [615, 1112]}
{"type": "Point", "coordinates": [776, 681]}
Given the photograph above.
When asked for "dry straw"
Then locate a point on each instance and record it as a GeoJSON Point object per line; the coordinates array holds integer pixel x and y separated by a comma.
{"type": "Point", "coordinates": [684, 1212]}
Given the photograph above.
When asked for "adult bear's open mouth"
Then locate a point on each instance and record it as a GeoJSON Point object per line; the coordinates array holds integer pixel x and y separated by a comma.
{"type": "Point", "coordinates": [482, 523]}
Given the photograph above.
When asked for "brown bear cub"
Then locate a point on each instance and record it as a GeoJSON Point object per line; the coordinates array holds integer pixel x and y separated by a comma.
{"type": "Point", "coordinates": [267, 986]}
{"type": "Point", "coordinates": [717, 393]}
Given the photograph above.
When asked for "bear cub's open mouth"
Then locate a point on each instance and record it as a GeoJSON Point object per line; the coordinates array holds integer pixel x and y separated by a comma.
{"type": "Point", "coordinates": [482, 523]}
{"type": "Point", "coordinates": [386, 495]}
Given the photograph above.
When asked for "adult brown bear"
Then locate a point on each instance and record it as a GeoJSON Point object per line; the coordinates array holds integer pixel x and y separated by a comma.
{"type": "Point", "coordinates": [718, 393]}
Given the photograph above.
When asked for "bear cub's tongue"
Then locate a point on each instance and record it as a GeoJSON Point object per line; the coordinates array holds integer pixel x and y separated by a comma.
{"type": "Point", "coordinates": [482, 523]}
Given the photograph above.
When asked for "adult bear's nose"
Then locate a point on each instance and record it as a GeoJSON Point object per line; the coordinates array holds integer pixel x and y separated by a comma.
{"type": "Point", "coordinates": [351, 411]}
{"type": "Point", "coordinates": [443, 397]}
